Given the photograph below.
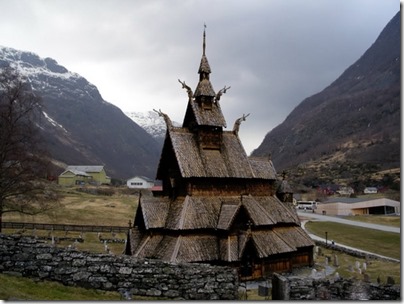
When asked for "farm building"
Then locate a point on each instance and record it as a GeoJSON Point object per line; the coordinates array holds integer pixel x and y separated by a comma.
{"type": "Point", "coordinates": [344, 207]}
{"type": "Point", "coordinates": [79, 175]}
{"type": "Point", "coordinates": [217, 205]}
{"type": "Point", "coordinates": [140, 182]}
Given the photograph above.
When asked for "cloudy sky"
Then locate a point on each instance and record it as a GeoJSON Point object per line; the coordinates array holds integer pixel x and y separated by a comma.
{"type": "Point", "coordinates": [273, 53]}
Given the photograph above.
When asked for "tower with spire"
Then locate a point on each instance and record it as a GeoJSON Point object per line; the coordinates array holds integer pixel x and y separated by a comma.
{"type": "Point", "coordinates": [218, 205]}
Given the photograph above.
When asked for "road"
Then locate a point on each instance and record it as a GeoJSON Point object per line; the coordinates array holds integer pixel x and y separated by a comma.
{"type": "Point", "coordinates": [307, 215]}
{"type": "Point", "coordinates": [326, 218]}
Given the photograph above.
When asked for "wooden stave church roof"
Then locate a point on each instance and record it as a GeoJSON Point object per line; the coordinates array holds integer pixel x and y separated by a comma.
{"type": "Point", "coordinates": [231, 161]}
{"type": "Point", "coordinates": [186, 229]}
{"type": "Point", "coordinates": [213, 212]}
{"type": "Point", "coordinates": [208, 248]}
{"type": "Point", "coordinates": [276, 228]}
{"type": "Point", "coordinates": [212, 117]}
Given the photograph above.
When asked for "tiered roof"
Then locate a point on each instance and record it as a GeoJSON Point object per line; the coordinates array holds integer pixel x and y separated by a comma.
{"type": "Point", "coordinates": [214, 225]}
{"type": "Point", "coordinates": [230, 161]}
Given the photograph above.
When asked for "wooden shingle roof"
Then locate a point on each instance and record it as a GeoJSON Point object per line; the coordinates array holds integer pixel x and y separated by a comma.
{"type": "Point", "coordinates": [193, 222]}
{"type": "Point", "coordinates": [204, 88]}
{"type": "Point", "coordinates": [294, 236]}
{"type": "Point", "coordinates": [280, 212]}
{"type": "Point", "coordinates": [202, 248]}
{"type": "Point", "coordinates": [230, 161]}
{"type": "Point", "coordinates": [148, 246]}
{"type": "Point", "coordinates": [211, 117]}
{"type": "Point", "coordinates": [262, 167]}
{"type": "Point", "coordinates": [197, 248]}
{"type": "Point", "coordinates": [228, 212]}
{"type": "Point", "coordinates": [154, 212]}
{"type": "Point", "coordinates": [204, 66]}
{"type": "Point", "coordinates": [193, 213]}
{"type": "Point", "coordinates": [269, 243]}
{"type": "Point", "coordinates": [192, 248]}
{"type": "Point", "coordinates": [213, 212]}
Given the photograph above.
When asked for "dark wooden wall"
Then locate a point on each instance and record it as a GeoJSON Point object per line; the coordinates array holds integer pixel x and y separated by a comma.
{"type": "Point", "coordinates": [232, 187]}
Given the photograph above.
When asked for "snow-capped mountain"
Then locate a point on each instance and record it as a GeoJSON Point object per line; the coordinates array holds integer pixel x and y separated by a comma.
{"type": "Point", "coordinates": [78, 126]}
{"type": "Point", "coordinates": [151, 122]}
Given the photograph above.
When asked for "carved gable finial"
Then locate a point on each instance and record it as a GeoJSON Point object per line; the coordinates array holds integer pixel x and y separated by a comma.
{"type": "Point", "coordinates": [237, 123]}
{"type": "Point", "coordinates": [186, 87]}
{"type": "Point", "coordinates": [167, 119]}
{"type": "Point", "coordinates": [220, 93]}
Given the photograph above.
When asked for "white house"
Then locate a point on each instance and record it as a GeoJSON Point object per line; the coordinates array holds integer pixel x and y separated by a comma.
{"type": "Point", "coordinates": [140, 182]}
{"type": "Point", "coordinates": [370, 190]}
{"type": "Point", "coordinates": [345, 191]}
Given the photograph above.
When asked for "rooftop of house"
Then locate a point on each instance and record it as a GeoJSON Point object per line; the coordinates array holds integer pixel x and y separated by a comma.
{"type": "Point", "coordinates": [85, 168]}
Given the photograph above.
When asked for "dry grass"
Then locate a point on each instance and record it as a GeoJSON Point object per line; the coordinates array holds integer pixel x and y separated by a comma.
{"type": "Point", "coordinates": [394, 221]}
{"type": "Point", "coordinates": [85, 209]}
{"type": "Point", "coordinates": [375, 268]}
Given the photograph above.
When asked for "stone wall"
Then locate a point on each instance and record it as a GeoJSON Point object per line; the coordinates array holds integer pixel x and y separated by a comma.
{"type": "Point", "coordinates": [335, 290]}
{"type": "Point", "coordinates": [30, 257]}
{"type": "Point", "coordinates": [352, 252]}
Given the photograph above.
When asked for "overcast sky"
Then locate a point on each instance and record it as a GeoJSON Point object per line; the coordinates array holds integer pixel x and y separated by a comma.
{"type": "Point", "coordinates": [273, 53]}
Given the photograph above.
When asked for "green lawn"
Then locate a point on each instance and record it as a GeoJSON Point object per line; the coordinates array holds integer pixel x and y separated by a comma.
{"type": "Point", "coordinates": [380, 242]}
{"type": "Point", "coordinates": [18, 288]}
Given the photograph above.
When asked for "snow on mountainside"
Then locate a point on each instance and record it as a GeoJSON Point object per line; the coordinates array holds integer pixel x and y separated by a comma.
{"type": "Point", "coordinates": [30, 64]}
{"type": "Point", "coordinates": [46, 75]}
{"type": "Point", "coordinates": [78, 125]}
{"type": "Point", "coordinates": [151, 122]}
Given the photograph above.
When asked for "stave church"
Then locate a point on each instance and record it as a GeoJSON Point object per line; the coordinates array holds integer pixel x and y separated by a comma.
{"type": "Point", "coordinates": [218, 205]}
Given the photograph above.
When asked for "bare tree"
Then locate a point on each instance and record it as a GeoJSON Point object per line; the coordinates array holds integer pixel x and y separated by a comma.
{"type": "Point", "coordinates": [23, 159]}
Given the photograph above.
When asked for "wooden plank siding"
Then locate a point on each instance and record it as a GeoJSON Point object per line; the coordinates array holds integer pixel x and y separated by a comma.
{"type": "Point", "coordinates": [231, 187]}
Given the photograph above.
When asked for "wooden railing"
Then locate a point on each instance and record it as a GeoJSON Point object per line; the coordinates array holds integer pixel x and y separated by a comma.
{"type": "Point", "coordinates": [63, 227]}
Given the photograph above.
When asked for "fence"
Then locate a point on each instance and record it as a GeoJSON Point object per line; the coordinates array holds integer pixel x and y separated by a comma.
{"type": "Point", "coordinates": [63, 227]}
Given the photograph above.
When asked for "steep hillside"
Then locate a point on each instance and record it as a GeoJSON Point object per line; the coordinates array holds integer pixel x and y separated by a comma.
{"type": "Point", "coordinates": [79, 127]}
{"type": "Point", "coordinates": [353, 122]}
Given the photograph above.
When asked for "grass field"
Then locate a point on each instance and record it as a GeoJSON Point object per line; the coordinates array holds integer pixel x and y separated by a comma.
{"type": "Point", "coordinates": [18, 288]}
{"type": "Point", "coordinates": [117, 210]}
{"type": "Point", "coordinates": [394, 221]}
{"type": "Point", "coordinates": [85, 209]}
{"type": "Point", "coordinates": [375, 268]}
{"type": "Point", "coordinates": [380, 242]}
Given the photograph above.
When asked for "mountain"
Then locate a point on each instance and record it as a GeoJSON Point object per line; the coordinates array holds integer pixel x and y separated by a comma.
{"type": "Point", "coordinates": [353, 123]}
{"type": "Point", "coordinates": [152, 123]}
{"type": "Point", "coordinates": [79, 127]}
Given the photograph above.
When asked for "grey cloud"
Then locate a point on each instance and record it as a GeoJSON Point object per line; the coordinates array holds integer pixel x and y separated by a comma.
{"type": "Point", "coordinates": [272, 53]}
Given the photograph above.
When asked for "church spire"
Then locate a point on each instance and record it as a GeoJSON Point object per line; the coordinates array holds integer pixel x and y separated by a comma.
{"type": "Point", "coordinates": [204, 87]}
{"type": "Point", "coordinates": [204, 40]}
